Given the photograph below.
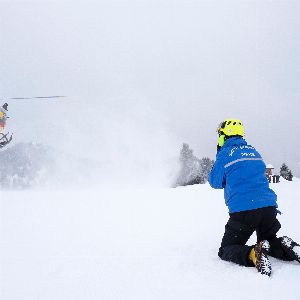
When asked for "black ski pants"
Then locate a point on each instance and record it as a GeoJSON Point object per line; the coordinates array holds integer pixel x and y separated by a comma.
{"type": "Point", "coordinates": [241, 226]}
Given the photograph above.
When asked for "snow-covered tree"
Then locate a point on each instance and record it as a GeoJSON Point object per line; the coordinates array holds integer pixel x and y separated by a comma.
{"type": "Point", "coordinates": [192, 169]}
{"type": "Point", "coordinates": [206, 165]}
{"type": "Point", "coordinates": [286, 173]}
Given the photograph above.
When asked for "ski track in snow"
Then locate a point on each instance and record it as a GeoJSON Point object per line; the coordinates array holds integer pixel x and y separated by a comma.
{"type": "Point", "coordinates": [133, 244]}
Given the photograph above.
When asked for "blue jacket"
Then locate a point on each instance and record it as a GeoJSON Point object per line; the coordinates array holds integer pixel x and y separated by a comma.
{"type": "Point", "coordinates": [240, 170]}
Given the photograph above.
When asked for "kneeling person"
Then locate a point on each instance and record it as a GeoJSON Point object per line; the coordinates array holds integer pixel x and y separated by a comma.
{"type": "Point", "coordinates": [240, 170]}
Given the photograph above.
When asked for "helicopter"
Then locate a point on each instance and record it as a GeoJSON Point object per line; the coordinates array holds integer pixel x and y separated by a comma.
{"type": "Point", "coordinates": [6, 138]}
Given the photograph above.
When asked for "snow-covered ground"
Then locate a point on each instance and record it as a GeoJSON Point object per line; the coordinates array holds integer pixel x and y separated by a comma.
{"type": "Point", "coordinates": [132, 244]}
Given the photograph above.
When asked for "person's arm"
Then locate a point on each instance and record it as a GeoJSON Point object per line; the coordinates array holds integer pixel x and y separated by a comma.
{"type": "Point", "coordinates": [216, 177]}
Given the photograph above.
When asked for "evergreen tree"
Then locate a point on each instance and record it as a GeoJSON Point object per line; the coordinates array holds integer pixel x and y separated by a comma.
{"type": "Point", "coordinates": [192, 169]}
{"type": "Point", "coordinates": [290, 175]}
{"type": "Point", "coordinates": [188, 165]}
{"type": "Point", "coordinates": [285, 172]}
{"type": "Point", "coordinates": [206, 165]}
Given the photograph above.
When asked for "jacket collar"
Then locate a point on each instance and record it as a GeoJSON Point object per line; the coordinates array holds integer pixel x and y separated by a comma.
{"type": "Point", "coordinates": [234, 141]}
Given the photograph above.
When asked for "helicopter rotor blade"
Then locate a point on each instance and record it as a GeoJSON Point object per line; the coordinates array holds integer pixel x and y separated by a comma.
{"type": "Point", "coordinates": [39, 97]}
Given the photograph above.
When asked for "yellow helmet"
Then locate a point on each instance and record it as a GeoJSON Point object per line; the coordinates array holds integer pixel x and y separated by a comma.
{"type": "Point", "coordinates": [231, 127]}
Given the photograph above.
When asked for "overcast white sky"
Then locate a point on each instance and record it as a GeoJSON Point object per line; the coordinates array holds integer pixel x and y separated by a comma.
{"type": "Point", "coordinates": [157, 73]}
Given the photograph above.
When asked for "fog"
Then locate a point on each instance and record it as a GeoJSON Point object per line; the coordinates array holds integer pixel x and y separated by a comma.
{"type": "Point", "coordinates": [142, 77]}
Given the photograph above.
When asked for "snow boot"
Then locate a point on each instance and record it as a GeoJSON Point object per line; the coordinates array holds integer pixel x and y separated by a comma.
{"type": "Point", "coordinates": [259, 256]}
{"type": "Point", "coordinates": [291, 248]}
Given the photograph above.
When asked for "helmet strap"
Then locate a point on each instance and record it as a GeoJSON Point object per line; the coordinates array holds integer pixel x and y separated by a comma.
{"type": "Point", "coordinates": [222, 139]}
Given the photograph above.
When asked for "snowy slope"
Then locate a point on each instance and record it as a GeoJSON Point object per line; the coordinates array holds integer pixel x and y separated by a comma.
{"type": "Point", "coordinates": [132, 244]}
